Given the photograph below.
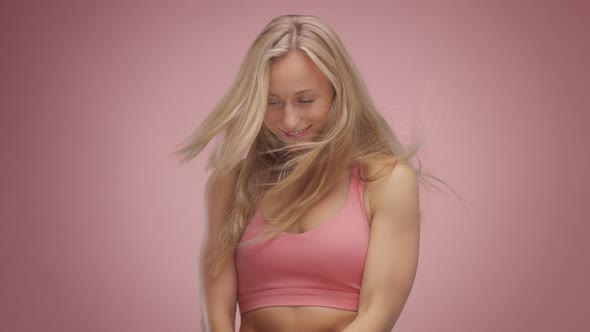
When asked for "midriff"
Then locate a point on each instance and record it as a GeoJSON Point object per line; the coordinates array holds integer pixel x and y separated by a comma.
{"type": "Point", "coordinates": [301, 318]}
{"type": "Point", "coordinates": [296, 319]}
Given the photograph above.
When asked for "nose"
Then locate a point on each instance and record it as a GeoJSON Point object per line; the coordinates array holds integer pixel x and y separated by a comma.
{"type": "Point", "coordinates": [290, 119]}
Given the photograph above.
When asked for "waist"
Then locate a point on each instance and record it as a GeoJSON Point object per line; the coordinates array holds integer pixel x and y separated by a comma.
{"type": "Point", "coordinates": [296, 319]}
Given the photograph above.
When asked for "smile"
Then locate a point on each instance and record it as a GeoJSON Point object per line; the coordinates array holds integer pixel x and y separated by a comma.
{"type": "Point", "coordinates": [295, 134]}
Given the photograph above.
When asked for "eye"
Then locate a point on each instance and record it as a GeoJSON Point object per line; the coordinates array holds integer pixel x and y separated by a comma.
{"type": "Point", "coordinates": [306, 101]}
{"type": "Point", "coordinates": [271, 103]}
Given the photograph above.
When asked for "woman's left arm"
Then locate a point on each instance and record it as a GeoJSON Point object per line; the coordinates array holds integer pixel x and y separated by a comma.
{"type": "Point", "coordinates": [392, 257]}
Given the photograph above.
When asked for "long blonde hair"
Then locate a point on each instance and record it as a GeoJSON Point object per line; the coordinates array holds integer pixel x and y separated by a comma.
{"type": "Point", "coordinates": [356, 133]}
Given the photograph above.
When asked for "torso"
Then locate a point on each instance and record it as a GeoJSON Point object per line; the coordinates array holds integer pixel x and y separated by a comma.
{"type": "Point", "coordinates": [290, 318]}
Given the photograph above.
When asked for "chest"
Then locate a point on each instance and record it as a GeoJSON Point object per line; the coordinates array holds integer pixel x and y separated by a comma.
{"type": "Point", "coordinates": [327, 208]}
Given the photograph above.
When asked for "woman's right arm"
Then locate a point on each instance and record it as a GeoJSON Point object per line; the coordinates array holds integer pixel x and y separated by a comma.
{"type": "Point", "coordinates": [218, 295]}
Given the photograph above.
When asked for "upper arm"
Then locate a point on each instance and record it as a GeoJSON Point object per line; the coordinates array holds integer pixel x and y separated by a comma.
{"type": "Point", "coordinates": [392, 257]}
{"type": "Point", "coordinates": [218, 293]}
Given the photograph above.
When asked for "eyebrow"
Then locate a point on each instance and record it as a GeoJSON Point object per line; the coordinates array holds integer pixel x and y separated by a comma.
{"type": "Point", "coordinates": [296, 93]}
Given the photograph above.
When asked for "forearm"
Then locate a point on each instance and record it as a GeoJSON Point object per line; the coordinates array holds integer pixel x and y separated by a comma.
{"type": "Point", "coordinates": [218, 326]}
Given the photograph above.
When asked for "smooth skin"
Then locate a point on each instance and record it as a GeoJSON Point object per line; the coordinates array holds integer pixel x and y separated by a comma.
{"type": "Point", "coordinates": [392, 212]}
{"type": "Point", "coordinates": [300, 96]}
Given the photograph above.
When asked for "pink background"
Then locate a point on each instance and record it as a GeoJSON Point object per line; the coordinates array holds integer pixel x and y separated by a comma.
{"type": "Point", "coordinates": [100, 227]}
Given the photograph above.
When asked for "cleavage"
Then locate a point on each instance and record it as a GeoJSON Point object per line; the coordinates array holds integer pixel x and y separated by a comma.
{"type": "Point", "coordinates": [324, 210]}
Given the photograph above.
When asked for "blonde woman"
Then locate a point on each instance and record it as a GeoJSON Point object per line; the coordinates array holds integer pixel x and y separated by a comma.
{"type": "Point", "coordinates": [312, 208]}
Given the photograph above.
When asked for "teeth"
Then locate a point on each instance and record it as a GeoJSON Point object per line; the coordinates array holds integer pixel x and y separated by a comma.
{"type": "Point", "coordinates": [294, 133]}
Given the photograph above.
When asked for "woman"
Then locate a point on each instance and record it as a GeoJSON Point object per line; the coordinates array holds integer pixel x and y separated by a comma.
{"type": "Point", "coordinates": [312, 206]}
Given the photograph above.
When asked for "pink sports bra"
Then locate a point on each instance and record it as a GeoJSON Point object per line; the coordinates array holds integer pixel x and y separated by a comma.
{"type": "Point", "coordinates": [321, 267]}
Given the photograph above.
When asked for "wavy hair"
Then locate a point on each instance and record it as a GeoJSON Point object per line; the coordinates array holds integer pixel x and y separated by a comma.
{"type": "Point", "coordinates": [355, 134]}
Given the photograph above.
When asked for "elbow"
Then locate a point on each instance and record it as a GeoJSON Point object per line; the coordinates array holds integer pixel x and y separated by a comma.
{"type": "Point", "coordinates": [378, 317]}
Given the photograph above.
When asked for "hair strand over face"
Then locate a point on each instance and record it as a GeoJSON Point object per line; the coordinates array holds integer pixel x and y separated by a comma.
{"type": "Point", "coordinates": [355, 134]}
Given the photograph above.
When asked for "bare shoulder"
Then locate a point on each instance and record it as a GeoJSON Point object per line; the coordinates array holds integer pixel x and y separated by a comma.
{"type": "Point", "coordinates": [221, 184]}
{"type": "Point", "coordinates": [219, 191]}
{"type": "Point", "coordinates": [217, 200]}
{"type": "Point", "coordinates": [394, 180]}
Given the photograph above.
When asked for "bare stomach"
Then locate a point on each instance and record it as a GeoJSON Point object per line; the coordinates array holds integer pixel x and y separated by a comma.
{"type": "Point", "coordinates": [295, 319]}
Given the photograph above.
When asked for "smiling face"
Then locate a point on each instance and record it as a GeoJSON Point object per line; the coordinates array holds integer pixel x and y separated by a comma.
{"type": "Point", "coordinates": [299, 100]}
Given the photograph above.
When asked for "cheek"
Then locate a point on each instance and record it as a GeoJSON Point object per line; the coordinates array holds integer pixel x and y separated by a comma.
{"type": "Point", "coordinates": [322, 113]}
{"type": "Point", "coordinates": [269, 119]}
